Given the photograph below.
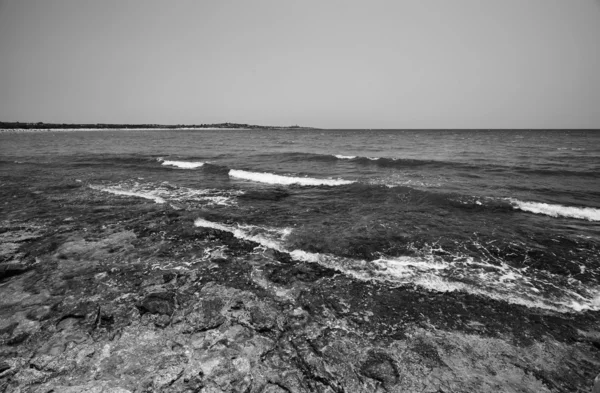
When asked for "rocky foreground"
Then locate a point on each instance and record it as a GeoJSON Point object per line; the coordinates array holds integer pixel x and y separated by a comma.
{"type": "Point", "coordinates": [104, 293]}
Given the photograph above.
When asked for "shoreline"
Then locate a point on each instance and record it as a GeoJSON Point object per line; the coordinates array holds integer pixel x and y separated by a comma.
{"type": "Point", "coordinates": [40, 130]}
{"type": "Point", "coordinates": [105, 291]}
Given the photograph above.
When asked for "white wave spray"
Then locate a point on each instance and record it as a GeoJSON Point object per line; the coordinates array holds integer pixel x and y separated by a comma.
{"type": "Point", "coordinates": [582, 213]}
{"type": "Point", "coordinates": [164, 192]}
{"type": "Point", "coordinates": [271, 178]}
{"type": "Point", "coordinates": [184, 164]}
{"type": "Point", "coordinates": [502, 283]}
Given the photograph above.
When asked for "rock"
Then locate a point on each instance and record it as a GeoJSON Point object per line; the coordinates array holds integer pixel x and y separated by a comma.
{"type": "Point", "coordinates": [206, 315]}
{"type": "Point", "coordinates": [68, 323]}
{"type": "Point", "coordinates": [39, 313]}
{"type": "Point", "coordinates": [95, 250]}
{"type": "Point", "coordinates": [125, 299]}
{"type": "Point", "coordinates": [381, 367]}
{"type": "Point", "coordinates": [12, 269]}
{"type": "Point", "coordinates": [596, 384]}
{"type": "Point", "coordinates": [159, 303]}
{"type": "Point", "coordinates": [4, 366]}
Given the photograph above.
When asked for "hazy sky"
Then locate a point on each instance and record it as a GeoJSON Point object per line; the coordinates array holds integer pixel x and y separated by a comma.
{"type": "Point", "coordinates": [347, 64]}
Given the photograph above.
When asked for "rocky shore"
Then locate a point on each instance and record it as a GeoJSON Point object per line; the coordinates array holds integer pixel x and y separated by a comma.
{"type": "Point", "coordinates": [107, 293]}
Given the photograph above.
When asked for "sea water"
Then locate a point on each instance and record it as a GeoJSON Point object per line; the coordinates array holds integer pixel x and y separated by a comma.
{"type": "Point", "coordinates": [512, 215]}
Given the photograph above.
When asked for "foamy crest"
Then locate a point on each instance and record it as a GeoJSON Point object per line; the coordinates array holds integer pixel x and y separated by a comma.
{"type": "Point", "coordinates": [164, 192]}
{"type": "Point", "coordinates": [266, 237]}
{"type": "Point", "coordinates": [499, 282]}
{"type": "Point", "coordinates": [183, 164]}
{"type": "Point", "coordinates": [118, 191]}
{"type": "Point", "coordinates": [342, 157]}
{"type": "Point", "coordinates": [583, 213]}
{"type": "Point", "coordinates": [271, 178]}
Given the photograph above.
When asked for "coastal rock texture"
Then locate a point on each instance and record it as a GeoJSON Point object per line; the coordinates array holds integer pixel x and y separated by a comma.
{"type": "Point", "coordinates": [114, 294]}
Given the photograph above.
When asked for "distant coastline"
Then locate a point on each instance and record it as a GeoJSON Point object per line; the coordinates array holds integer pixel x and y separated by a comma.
{"type": "Point", "coordinates": [39, 127]}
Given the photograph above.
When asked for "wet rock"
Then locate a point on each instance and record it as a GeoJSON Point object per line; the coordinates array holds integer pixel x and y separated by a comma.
{"type": "Point", "coordinates": [267, 195]}
{"type": "Point", "coordinates": [307, 272]}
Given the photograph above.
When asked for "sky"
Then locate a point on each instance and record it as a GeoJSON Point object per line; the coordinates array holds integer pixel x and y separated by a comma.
{"type": "Point", "coordinates": [320, 63]}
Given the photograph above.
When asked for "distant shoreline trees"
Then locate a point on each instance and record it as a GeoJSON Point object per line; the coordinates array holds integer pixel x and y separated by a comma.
{"type": "Point", "coordinates": [101, 126]}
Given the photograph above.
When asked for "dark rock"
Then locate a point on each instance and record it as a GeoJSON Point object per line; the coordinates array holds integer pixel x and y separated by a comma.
{"type": "Point", "coordinates": [8, 329]}
{"type": "Point", "coordinates": [206, 315]}
{"type": "Point", "coordinates": [428, 352]}
{"type": "Point", "coordinates": [307, 272]}
{"type": "Point", "coordinates": [267, 195]}
{"type": "Point", "coordinates": [159, 303]}
{"type": "Point", "coordinates": [168, 277]}
{"type": "Point", "coordinates": [18, 338]}
{"type": "Point", "coordinates": [4, 366]}
{"type": "Point", "coordinates": [12, 269]}
{"type": "Point", "coordinates": [381, 367]}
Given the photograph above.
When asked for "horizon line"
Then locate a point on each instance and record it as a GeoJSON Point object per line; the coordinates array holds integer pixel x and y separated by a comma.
{"type": "Point", "coordinates": [231, 125]}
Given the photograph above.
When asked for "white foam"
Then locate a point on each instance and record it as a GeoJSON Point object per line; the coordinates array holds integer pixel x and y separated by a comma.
{"type": "Point", "coordinates": [115, 191]}
{"type": "Point", "coordinates": [502, 283]}
{"type": "Point", "coordinates": [183, 164]}
{"type": "Point", "coordinates": [164, 192]}
{"type": "Point", "coordinates": [271, 178]}
{"type": "Point", "coordinates": [344, 157]}
{"type": "Point", "coordinates": [245, 232]}
{"type": "Point", "coordinates": [583, 213]}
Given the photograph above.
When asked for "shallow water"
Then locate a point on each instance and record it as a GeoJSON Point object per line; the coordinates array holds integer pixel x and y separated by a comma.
{"type": "Point", "coordinates": [511, 215]}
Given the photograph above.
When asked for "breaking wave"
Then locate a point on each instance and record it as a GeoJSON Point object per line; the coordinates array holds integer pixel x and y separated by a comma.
{"type": "Point", "coordinates": [165, 192]}
{"type": "Point", "coordinates": [183, 164]}
{"type": "Point", "coordinates": [502, 283]}
{"type": "Point", "coordinates": [138, 194]}
{"type": "Point", "coordinates": [271, 178]}
{"type": "Point", "coordinates": [582, 213]}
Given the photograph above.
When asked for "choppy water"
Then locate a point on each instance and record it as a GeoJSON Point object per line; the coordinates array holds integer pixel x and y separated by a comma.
{"type": "Point", "coordinates": [510, 215]}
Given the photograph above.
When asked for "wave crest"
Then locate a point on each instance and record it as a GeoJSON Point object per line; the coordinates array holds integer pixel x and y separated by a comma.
{"type": "Point", "coordinates": [502, 283]}
{"type": "Point", "coordinates": [582, 213]}
{"type": "Point", "coordinates": [184, 164]}
{"type": "Point", "coordinates": [271, 178]}
{"type": "Point", "coordinates": [164, 192]}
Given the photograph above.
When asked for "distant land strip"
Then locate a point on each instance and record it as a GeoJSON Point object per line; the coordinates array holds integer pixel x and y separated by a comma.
{"type": "Point", "coordinates": [102, 126]}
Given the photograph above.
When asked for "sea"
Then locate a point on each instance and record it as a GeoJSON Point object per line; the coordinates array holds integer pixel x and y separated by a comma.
{"type": "Point", "coordinates": [510, 215]}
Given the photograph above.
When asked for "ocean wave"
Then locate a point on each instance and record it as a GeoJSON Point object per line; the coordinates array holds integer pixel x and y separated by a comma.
{"type": "Point", "coordinates": [183, 164]}
{"type": "Point", "coordinates": [582, 213]}
{"type": "Point", "coordinates": [471, 168]}
{"type": "Point", "coordinates": [165, 192]}
{"type": "Point", "coordinates": [118, 191]}
{"type": "Point", "coordinates": [266, 237]}
{"type": "Point", "coordinates": [502, 283]}
{"type": "Point", "coordinates": [271, 178]}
